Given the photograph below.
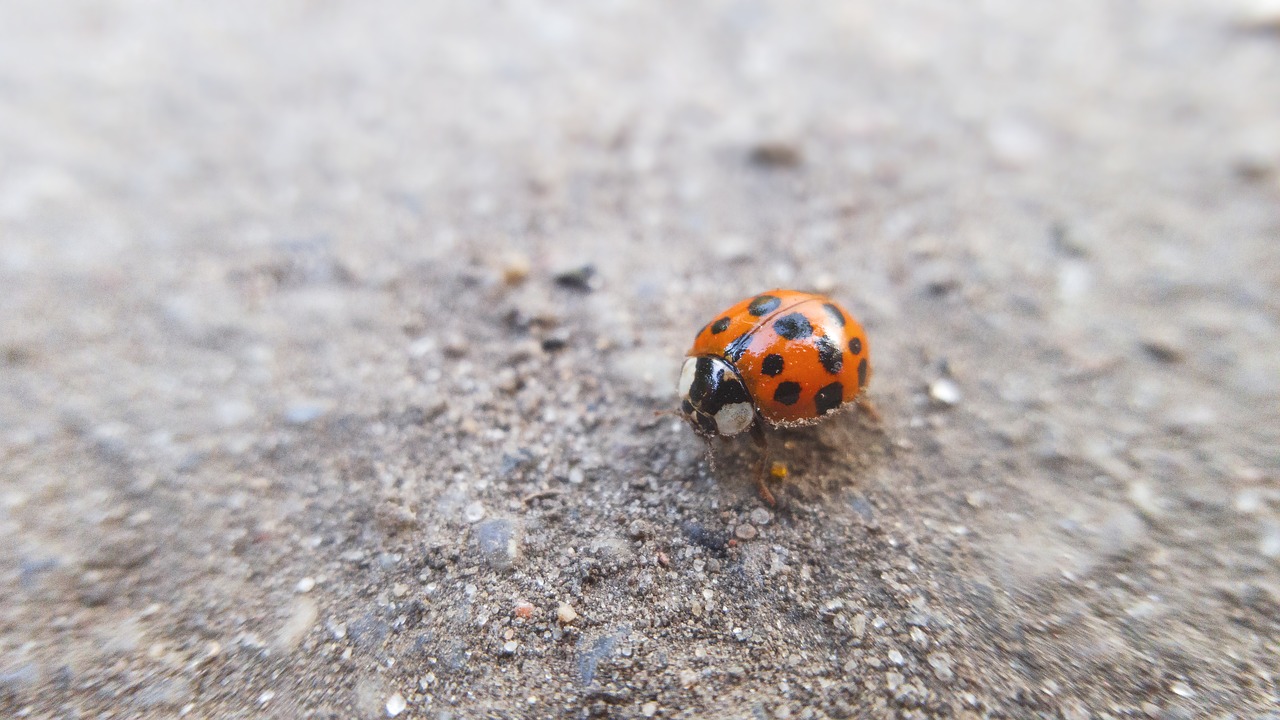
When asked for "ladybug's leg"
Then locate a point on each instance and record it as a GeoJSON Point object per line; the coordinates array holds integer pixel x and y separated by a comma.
{"type": "Point", "coordinates": [864, 404]}
{"type": "Point", "coordinates": [762, 470]}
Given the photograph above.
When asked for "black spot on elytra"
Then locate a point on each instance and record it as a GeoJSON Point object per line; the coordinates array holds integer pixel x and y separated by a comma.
{"type": "Point", "coordinates": [862, 372]}
{"type": "Point", "coordinates": [720, 326]}
{"type": "Point", "coordinates": [772, 365]}
{"type": "Point", "coordinates": [830, 354]}
{"type": "Point", "coordinates": [734, 350]}
{"type": "Point", "coordinates": [793, 326]}
{"type": "Point", "coordinates": [855, 346]}
{"type": "Point", "coordinates": [829, 398]}
{"type": "Point", "coordinates": [835, 313]}
{"type": "Point", "coordinates": [788, 393]}
{"type": "Point", "coordinates": [763, 305]}
{"type": "Point", "coordinates": [701, 384]}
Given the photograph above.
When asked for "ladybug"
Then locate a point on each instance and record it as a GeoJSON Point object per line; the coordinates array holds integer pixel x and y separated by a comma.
{"type": "Point", "coordinates": [783, 358]}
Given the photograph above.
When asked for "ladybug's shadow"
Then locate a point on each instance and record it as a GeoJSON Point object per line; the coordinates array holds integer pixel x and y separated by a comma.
{"type": "Point", "coordinates": [818, 460]}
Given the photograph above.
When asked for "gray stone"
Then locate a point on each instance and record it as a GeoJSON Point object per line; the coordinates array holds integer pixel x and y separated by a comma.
{"type": "Point", "coordinates": [497, 541]}
{"type": "Point", "coordinates": [592, 652]}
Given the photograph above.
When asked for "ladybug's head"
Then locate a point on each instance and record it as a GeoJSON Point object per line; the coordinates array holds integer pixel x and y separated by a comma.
{"type": "Point", "coordinates": [713, 399]}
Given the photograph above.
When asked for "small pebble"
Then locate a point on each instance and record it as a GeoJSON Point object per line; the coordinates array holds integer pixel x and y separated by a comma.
{"type": "Point", "coordinates": [1181, 689]}
{"type": "Point", "coordinates": [1143, 498]}
{"type": "Point", "coordinates": [524, 610]}
{"type": "Point", "coordinates": [649, 709]}
{"type": "Point", "coordinates": [473, 512]}
{"type": "Point", "coordinates": [556, 340]}
{"type": "Point", "coordinates": [303, 413]}
{"type": "Point", "coordinates": [302, 616]}
{"type": "Point", "coordinates": [941, 664]}
{"type": "Point", "coordinates": [582, 279]}
{"type": "Point", "coordinates": [507, 380]}
{"type": "Point", "coordinates": [566, 614]}
{"type": "Point", "coordinates": [1269, 540]}
{"type": "Point", "coordinates": [895, 657]}
{"type": "Point", "coordinates": [497, 541]}
{"type": "Point", "coordinates": [576, 476]}
{"type": "Point", "coordinates": [944, 391]}
{"type": "Point", "coordinates": [858, 626]}
{"type": "Point", "coordinates": [761, 516]}
{"type": "Point", "coordinates": [515, 269]}
{"type": "Point", "coordinates": [395, 705]}
{"type": "Point", "coordinates": [1248, 501]}
{"type": "Point", "coordinates": [306, 584]}
{"type": "Point", "coordinates": [745, 531]}
{"type": "Point", "coordinates": [919, 638]}
{"type": "Point", "coordinates": [455, 346]}
{"type": "Point", "coordinates": [776, 154]}
{"type": "Point", "coordinates": [423, 346]}
{"type": "Point", "coordinates": [509, 647]}
{"type": "Point", "coordinates": [1164, 344]}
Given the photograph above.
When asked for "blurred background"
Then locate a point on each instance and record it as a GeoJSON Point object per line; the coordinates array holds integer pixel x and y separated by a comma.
{"type": "Point", "coordinates": [331, 336]}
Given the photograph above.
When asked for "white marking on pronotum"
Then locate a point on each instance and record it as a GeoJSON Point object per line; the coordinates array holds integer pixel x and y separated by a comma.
{"type": "Point", "coordinates": [686, 376]}
{"type": "Point", "coordinates": [733, 419]}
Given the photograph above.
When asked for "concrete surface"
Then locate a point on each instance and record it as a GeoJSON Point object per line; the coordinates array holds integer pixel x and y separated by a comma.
{"type": "Point", "coordinates": [307, 409]}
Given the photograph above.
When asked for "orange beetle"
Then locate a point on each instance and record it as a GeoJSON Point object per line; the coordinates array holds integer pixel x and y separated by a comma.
{"type": "Point", "coordinates": [783, 357]}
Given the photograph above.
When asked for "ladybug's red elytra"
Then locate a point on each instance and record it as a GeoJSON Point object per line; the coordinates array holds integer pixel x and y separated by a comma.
{"type": "Point", "coordinates": [783, 357]}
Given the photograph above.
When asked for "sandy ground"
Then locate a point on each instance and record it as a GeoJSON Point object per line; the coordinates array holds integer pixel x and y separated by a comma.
{"type": "Point", "coordinates": [309, 407]}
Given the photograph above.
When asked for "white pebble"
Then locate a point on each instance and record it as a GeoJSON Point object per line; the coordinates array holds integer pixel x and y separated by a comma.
{"type": "Point", "coordinates": [893, 680]}
{"type": "Point", "coordinates": [395, 705]}
{"type": "Point", "coordinates": [1143, 497]}
{"type": "Point", "coordinates": [941, 664]}
{"type": "Point", "coordinates": [422, 346]}
{"type": "Point", "coordinates": [473, 512]}
{"type": "Point", "coordinates": [1248, 501]}
{"type": "Point", "coordinates": [944, 391]}
{"type": "Point", "coordinates": [1269, 543]}
{"type": "Point", "coordinates": [306, 584]}
{"type": "Point", "coordinates": [566, 614]}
